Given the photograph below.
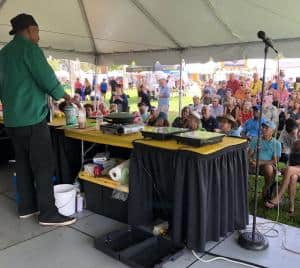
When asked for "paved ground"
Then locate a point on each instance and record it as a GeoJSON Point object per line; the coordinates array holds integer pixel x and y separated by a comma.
{"type": "Point", "coordinates": [23, 243]}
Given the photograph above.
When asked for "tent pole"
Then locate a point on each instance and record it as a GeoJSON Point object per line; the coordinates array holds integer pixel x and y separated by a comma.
{"type": "Point", "coordinates": [180, 85]}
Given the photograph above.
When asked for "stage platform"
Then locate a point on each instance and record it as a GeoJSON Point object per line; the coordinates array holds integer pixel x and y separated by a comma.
{"type": "Point", "coordinates": [23, 243]}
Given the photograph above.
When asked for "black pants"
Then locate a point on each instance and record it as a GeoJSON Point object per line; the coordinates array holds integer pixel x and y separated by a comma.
{"type": "Point", "coordinates": [34, 168]}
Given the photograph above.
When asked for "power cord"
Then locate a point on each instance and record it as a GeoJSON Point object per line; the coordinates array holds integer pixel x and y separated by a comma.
{"type": "Point", "coordinates": [222, 259]}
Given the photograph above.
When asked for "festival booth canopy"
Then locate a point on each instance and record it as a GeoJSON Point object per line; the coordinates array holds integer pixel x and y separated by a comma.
{"type": "Point", "coordinates": [146, 31]}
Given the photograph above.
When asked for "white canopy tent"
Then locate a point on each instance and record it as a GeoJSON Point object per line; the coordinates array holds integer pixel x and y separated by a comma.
{"type": "Point", "coordinates": [146, 31]}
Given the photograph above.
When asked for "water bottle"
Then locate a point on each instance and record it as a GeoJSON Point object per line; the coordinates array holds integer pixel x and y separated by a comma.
{"type": "Point", "coordinates": [99, 120]}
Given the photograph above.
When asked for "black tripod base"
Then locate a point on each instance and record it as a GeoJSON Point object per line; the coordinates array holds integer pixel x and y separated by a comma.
{"type": "Point", "coordinates": [259, 242]}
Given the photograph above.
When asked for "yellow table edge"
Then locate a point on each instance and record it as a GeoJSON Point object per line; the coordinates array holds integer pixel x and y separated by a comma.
{"type": "Point", "coordinates": [104, 181]}
{"type": "Point", "coordinates": [126, 141]}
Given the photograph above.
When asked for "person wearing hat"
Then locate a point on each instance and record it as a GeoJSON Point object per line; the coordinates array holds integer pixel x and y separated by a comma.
{"type": "Point", "coordinates": [26, 79]}
{"type": "Point", "coordinates": [228, 125]}
{"type": "Point", "coordinates": [250, 128]}
{"type": "Point", "coordinates": [164, 95]}
{"type": "Point", "coordinates": [270, 152]}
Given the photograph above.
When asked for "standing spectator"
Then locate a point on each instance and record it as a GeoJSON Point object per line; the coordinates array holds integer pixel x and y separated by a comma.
{"type": "Point", "coordinates": [270, 111]}
{"type": "Point", "coordinates": [103, 88]}
{"type": "Point", "coordinates": [164, 95]}
{"type": "Point", "coordinates": [281, 95]}
{"type": "Point", "coordinates": [270, 152]}
{"type": "Point", "coordinates": [78, 86]}
{"type": "Point", "coordinates": [251, 126]}
{"type": "Point", "coordinates": [143, 96]}
{"type": "Point", "coordinates": [222, 91]}
{"type": "Point", "coordinates": [208, 122]}
{"type": "Point", "coordinates": [233, 84]}
{"type": "Point", "coordinates": [206, 99]}
{"type": "Point", "coordinates": [210, 87]}
{"type": "Point", "coordinates": [216, 109]}
{"type": "Point", "coordinates": [120, 99]}
{"type": "Point", "coordinates": [113, 85]}
{"type": "Point", "coordinates": [87, 87]}
{"type": "Point", "coordinates": [197, 106]}
{"type": "Point", "coordinates": [256, 85]}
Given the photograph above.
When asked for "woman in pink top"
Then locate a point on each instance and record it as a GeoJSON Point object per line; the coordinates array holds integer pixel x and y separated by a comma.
{"type": "Point", "coordinates": [281, 95]}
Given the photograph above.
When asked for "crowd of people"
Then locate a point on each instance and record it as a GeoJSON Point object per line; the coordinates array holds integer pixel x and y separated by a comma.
{"type": "Point", "coordinates": [231, 107]}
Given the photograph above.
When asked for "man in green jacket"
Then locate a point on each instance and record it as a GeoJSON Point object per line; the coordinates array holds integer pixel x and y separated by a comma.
{"type": "Point", "coordinates": [26, 80]}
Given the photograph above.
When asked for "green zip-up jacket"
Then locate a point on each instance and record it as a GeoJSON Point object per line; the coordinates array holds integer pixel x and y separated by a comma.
{"type": "Point", "coordinates": [26, 79]}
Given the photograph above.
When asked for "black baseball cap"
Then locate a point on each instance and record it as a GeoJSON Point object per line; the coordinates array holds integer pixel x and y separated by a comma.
{"type": "Point", "coordinates": [21, 22]}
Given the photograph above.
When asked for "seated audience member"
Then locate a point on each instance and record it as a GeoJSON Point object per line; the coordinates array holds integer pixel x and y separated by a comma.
{"type": "Point", "coordinates": [270, 112]}
{"type": "Point", "coordinates": [77, 98]}
{"type": "Point", "coordinates": [294, 112]}
{"type": "Point", "coordinates": [197, 106]}
{"type": "Point", "coordinates": [143, 110]}
{"type": "Point", "coordinates": [193, 121]}
{"type": "Point", "coordinates": [256, 85]}
{"type": "Point", "coordinates": [221, 92]}
{"type": "Point", "coordinates": [120, 98]}
{"type": "Point", "coordinates": [153, 116]}
{"type": "Point", "coordinates": [270, 152]}
{"type": "Point", "coordinates": [88, 109]}
{"type": "Point", "coordinates": [216, 109]}
{"type": "Point", "coordinates": [250, 128]}
{"type": "Point", "coordinates": [290, 179]}
{"type": "Point", "coordinates": [208, 122]}
{"type": "Point", "coordinates": [206, 99]}
{"type": "Point", "coordinates": [241, 93]}
{"type": "Point", "coordinates": [161, 120]}
{"type": "Point", "coordinates": [228, 126]}
{"type": "Point", "coordinates": [245, 113]}
{"type": "Point", "coordinates": [228, 96]}
{"type": "Point", "coordinates": [181, 121]}
{"type": "Point", "coordinates": [231, 108]}
{"type": "Point", "coordinates": [287, 138]}
{"type": "Point", "coordinates": [233, 84]}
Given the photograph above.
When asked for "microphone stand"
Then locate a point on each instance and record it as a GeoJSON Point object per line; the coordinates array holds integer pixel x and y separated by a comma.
{"type": "Point", "coordinates": [254, 240]}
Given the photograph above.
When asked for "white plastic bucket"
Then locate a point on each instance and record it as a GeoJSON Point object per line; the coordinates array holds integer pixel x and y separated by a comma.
{"type": "Point", "coordinates": [65, 199]}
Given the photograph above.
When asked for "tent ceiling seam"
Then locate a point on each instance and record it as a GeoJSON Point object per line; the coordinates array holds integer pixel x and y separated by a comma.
{"type": "Point", "coordinates": [88, 26]}
{"type": "Point", "coordinates": [2, 2]}
{"type": "Point", "coordinates": [221, 21]}
{"type": "Point", "coordinates": [155, 22]}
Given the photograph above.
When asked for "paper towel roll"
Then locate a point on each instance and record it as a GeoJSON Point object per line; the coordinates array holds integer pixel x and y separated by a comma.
{"type": "Point", "coordinates": [119, 172]}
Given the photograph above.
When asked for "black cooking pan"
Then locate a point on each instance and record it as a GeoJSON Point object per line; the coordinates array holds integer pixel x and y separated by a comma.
{"type": "Point", "coordinates": [119, 118]}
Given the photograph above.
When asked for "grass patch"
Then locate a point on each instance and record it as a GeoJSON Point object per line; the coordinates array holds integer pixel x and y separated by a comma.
{"type": "Point", "coordinates": [272, 213]}
{"type": "Point", "coordinates": [174, 103]}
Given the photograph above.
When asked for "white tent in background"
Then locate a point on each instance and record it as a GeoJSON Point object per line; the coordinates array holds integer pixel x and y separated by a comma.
{"type": "Point", "coordinates": [120, 31]}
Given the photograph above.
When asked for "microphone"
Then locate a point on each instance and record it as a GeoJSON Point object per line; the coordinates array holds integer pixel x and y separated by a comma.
{"type": "Point", "coordinates": [262, 35]}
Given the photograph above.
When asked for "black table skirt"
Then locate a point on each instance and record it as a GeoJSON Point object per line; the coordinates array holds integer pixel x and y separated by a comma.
{"type": "Point", "coordinates": [203, 197]}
